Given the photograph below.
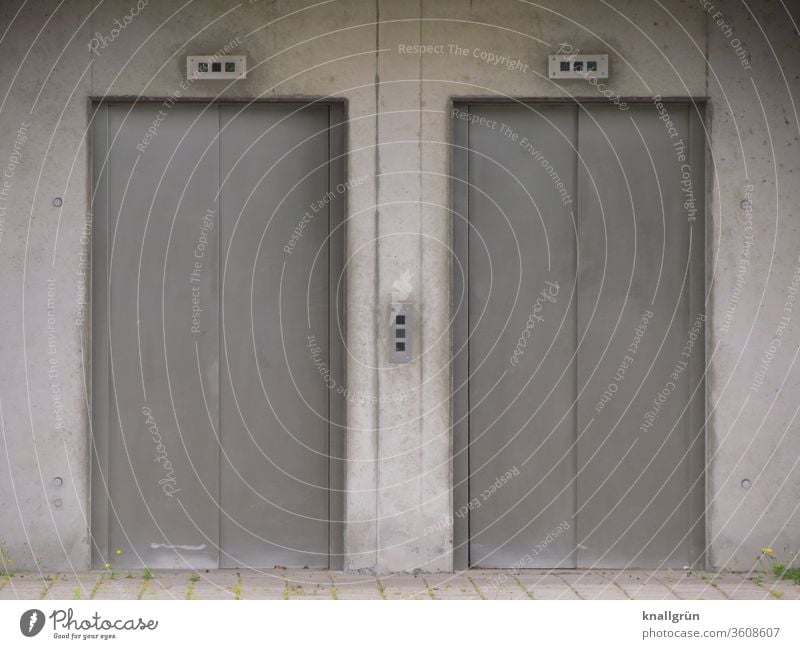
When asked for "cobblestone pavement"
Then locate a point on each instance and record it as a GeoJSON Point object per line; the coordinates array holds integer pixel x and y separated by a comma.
{"type": "Point", "coordinates": [472, 584]}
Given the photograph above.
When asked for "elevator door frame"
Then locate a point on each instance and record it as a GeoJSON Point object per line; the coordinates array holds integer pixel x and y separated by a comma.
{"type": "Point", "coordinates": [459, 284]}
{"type": "Point", "coordinates": [97, 352]}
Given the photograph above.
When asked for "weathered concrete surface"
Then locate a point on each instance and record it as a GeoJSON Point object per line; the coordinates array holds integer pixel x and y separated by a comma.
{"type": "Point", "coordinates": [398, 474]}
{"type": "Point", "coordinates": [755, 141]}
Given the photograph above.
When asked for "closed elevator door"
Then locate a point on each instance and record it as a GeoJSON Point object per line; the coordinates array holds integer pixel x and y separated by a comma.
{"type": "Point", "coordinates": [216, 441]}
{"type": "Point", "coordinates": [579, 311]}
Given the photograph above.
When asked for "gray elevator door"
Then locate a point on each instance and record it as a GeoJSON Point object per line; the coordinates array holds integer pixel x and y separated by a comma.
{"type": "Point", "coordinates": [216, 440]}
{"type": "Point", "coordinates": [579, 366]}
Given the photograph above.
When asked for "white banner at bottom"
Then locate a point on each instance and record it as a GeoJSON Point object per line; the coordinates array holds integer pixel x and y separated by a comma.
{"type": "Point", "coordinates": [356, 623]}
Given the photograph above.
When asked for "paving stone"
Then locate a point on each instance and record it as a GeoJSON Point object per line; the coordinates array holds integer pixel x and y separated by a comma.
{"type": "Point", "coordinates": [404, 587]}
{"type": "Point", "coordinates": [118, 589]}
{"type": "Point", "coordinates": [25, 587]}
{"type": "Point", "coordinates": [535, 576]}
{"type": "Point", "coordinates": [270, 579]}
{"type": "Point", "coordinates": [447, 586]}
{"type": "Point", "coordinates": [166, 585]}
{"type": "Point", "coordinates": [411, 595]}
{"type": "Point", "coordinates": [68, 587]}
{"type": "Point", "coordinates": [351, 577]}
{"type": "Point", "coordinates": [784, 588]}
{"type": "Point", "coordinates": [503, 593]}
{"type": "Point", "coordinates": [447, 579]}
{"type": "Point", "coordinates": [498, 586]}
{"type": "Point", "coordinates": [153, 590]}
{"type": "Point", "coordinates": [354, 586]}
{"type": "Point", "coordinates": [584, 578]}
{"type": "Point", "coordinates": [695, 588]}
{"type": "Point", "coordinates": [455, 590]}
{"type": "Point", "coordinates": [309, 583]}
{"type": "Point", "coordinates": [599, 591]}
{"type": "Point", "coordinates": [306, 575]}
{"type": "Point", "coordinates": [736, 587]}
{"type": "Point", "coordinates": [668, 574]}
{"type": "Point", "coordinates": [593, 585]}
{"type": "Point", "coordinates": [178, 584]}
{"type": "Point", "coordinates": [640, 584]}
{"type": "Point", "coordinates": [213, 582]}
{"type": "Point", "coordinates": [501, 576]}
{"type": "Point", "coordinates": [24, 592]}
{"type": "Point", "coordinates": [648, 591]}
{"type": "Point", "coordinates": [357, 591]}
{"type": "Point", "coordinates": [553, 592]}
{"type": "Point", "coordinates": [288, 586]}
{"type": "Point", "coordinates": [223, 578]}
{"type": "Point", "coordinates": [256, 592]}
{"type": "Point", "coordinates": [212, 592]}
{"type": "Point", "coordinates": [168, 578]}
{"type": "Point", "coordinates": [309, 591]}
{"type": "Point", "coordinates": [545, 585]}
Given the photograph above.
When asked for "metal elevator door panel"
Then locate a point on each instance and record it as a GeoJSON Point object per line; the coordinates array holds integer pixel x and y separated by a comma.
{"type": "Point", "coordinates": [585, 405]}
{"type": "Point", "coordinates": [522, 331]}
{"type": "Point", "coordinates": [274, 403]}
{"type": "Point", "coordinates": [162, 458]}
{"type": "Point", "coordinates": [640, 338]}
{"type": "Point", "coordinates": [211, 436]}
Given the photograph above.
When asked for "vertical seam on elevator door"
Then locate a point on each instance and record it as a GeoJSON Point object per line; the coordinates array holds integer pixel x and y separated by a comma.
{"type": "Point", "coordinates": [689, 429]}
{"type": "Point", "coordinates": [219, 334]}
{"type": "Point", "coordinates": [421, 405]}
{"type": "Point", "coordinates": [705, 122]}
{"type": "Point", "coordinates": [330, 350]}
{"type": "Point", "coordinates": [466, 293]}
{"type": "Point", "coordinates": [375, 319]}
{"type": "Point", "coordinates": [693, 372]}
{"type": "Point", "coordinates": [107, 324]}
{"type": "Point", "coordinates": [576, 216]}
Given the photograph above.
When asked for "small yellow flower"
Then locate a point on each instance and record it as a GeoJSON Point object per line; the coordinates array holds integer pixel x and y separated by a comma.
{"type": "Point", "coordinates": [119, 551]}
{"type": "Point", "coordinates": [108, 565]}
{"type": "Point", "coordinates": [767, 551]}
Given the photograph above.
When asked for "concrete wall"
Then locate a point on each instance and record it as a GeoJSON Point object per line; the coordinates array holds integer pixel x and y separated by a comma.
{"type": "Point", "coordinates": [399, 475]}
{"type": "Point", "coordinates": [754, 272]}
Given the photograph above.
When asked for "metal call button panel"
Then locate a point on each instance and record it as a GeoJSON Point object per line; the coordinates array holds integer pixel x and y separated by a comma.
{"type": "Point", "coordinates": [399, 333]}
